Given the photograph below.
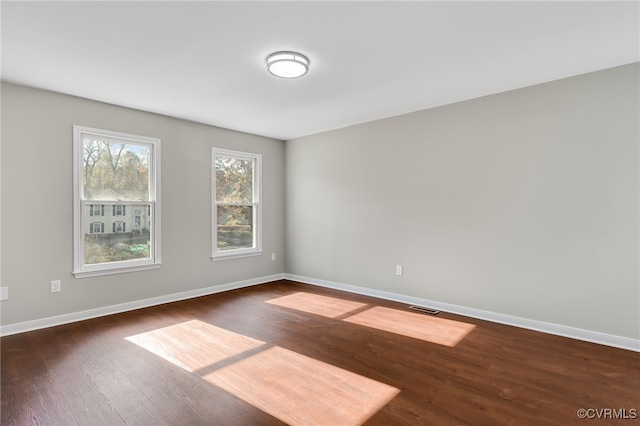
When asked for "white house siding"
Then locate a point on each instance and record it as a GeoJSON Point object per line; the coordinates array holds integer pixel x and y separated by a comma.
{"type": "Point", "coordinates": [104, 214]}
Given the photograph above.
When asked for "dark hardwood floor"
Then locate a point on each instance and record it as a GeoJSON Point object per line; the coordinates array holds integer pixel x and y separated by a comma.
{"type": "Point", "coordinates": [88, 373]}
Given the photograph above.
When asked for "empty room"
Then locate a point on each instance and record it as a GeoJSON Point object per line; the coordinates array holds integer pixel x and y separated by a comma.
{"type": "Point", "coordinates": [320, 213]}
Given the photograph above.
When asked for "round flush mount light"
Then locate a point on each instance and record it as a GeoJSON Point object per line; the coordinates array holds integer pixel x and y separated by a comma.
{"type": "Point", "coordinates": [287, 64]}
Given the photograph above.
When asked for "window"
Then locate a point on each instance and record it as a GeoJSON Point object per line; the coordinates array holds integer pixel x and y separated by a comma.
{"type": "Point", "coordinates": [119, 210]}
{"type": "Point", "coordinates": [96, 209]}
{"type": "Point", "coordinates": [236, 208]}
{"type": "Point", "coordinates": [115, 173]}
{"type": "Point", "coordinates": [96, 228]}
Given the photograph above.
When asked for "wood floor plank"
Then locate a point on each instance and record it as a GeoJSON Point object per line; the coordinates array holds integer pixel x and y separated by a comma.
{"type": "Point", "coordinates": [88, 373]}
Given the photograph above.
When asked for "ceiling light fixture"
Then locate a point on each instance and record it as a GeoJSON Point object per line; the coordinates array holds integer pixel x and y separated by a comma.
{"type": "Point", "coordinates": [287, 64]}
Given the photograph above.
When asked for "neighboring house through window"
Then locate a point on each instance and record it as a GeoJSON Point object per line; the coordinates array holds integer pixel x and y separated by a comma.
{"type": "Point", "coordinates": [115, 174]}
{"type": "Point", "coordinates": [236, 207]}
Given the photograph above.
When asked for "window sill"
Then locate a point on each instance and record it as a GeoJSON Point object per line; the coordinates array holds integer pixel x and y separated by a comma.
{"type": "Point", "coordinates": [219, 257]}
{"type": "Point", "coordinates": [101, 272]}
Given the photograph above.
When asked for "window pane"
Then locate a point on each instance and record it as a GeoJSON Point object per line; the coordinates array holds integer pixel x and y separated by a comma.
{"type": "Point", "coordinates": [235, 227]}
{"type": "Point", "coordinates": [234, 180]}
{"type": "Point", "coordinates": [115, 170]}
{"type": "Point", "coordinates": [110, 239]}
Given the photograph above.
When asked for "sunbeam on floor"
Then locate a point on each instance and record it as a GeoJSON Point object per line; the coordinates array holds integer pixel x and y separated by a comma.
{"type": "Point", "coordinates": [194, 344]}
{"type": "Point", "coordinates": [419, 326]}
{"type": "Point", "coordinates": [330, 307]}
{"type": "Point", "coordinates": [303, 391]}
{"type": "Point", "coordinates": [291, 387]}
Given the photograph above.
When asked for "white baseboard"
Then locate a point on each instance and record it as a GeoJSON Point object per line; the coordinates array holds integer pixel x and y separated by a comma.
{"type": "Point", "coordinates": [545, 327]}
{"type": "Point", "coordinates": [22, 327]}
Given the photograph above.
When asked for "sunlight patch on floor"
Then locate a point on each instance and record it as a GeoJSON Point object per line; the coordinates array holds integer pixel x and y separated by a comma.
{"type": "Point", "coordinates": [326, 306]}
{"type": "Point", "coordinates": [194, 344]}
{"type": "Point", "coordinates": [303, 391]}
{"type": "Point", "coordinates": [419, 326]}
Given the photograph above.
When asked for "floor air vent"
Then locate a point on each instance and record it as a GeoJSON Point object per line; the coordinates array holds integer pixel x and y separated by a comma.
{"type": "Point", "coordinates": [424, 310]}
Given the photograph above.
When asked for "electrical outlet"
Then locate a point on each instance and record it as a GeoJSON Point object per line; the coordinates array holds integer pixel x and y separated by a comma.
{"type": "Point", "coordinates": [273, 257]}
{"type": "Point", "coordinates": [4, 293]}
{"type": "Point", "coordinates": [398, 269]}
{"type": "Point", "coordinates": [56, 286]}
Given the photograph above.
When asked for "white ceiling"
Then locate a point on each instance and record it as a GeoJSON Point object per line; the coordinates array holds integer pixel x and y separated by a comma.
{"type": "Point", "coordinates": [204, 61]}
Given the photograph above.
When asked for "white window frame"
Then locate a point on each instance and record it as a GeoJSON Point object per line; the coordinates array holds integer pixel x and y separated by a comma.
{"type": "Point", "coordinates": [82, 270]}
{"type": "Point", "coordinates": [256, 250]}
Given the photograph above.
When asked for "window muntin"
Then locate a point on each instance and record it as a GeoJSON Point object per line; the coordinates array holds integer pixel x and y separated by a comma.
{"type": "Point", "coordinates": [236, 208]}
{"type": "Point", "coordinates": [116, 174]}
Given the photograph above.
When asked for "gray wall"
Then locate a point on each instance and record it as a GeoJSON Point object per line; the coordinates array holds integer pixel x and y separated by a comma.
{"type": "Point", "coordinates": [37, 216]}
{"type": "Point", "coordinates": [523, 203]}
